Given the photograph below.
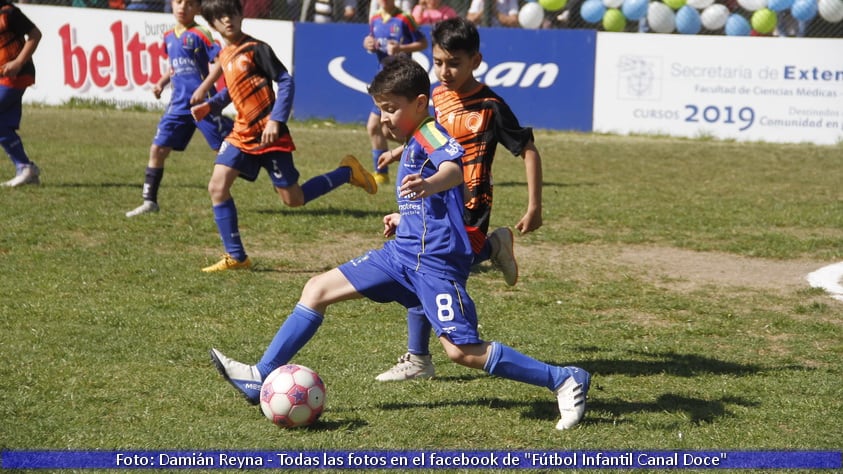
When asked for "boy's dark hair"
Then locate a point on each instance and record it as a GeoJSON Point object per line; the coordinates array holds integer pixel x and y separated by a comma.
{"type": "Point", "coordinates": [216, 9]}
{"type": "Point", "coordinates": [456, 34]}
{"type": "Point", "coordinates": [401, 76]}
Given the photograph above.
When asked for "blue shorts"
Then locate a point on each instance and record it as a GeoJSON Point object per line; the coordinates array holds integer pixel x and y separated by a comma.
{"type": "Point", "coordinates": [279, 164]}
{"type": "Point", "coordinates": [446, 304]}
{"type": "Point", "coordinates": [175, 131]}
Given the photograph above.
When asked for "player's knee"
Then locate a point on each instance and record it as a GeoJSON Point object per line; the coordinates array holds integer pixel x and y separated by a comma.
{"type": "Point", "coordinates": [314, 293]}
{"type": "Point", "coordinates": [291, 197]}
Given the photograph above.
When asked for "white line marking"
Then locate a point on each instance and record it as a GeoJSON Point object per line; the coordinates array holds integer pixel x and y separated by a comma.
{"type": "Point", "coordinates": [828, 278]}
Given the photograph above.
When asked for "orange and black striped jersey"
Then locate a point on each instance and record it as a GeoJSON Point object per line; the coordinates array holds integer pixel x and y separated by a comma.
{"type": "Point", "coordinates": [479, 120]}
{"type": "Point", "coordinates": [14, 26]}
{"type": "Point", "coordinates": [250, 67]}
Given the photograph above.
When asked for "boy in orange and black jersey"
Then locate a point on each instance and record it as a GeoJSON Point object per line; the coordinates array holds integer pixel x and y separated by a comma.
{"type": "Point", "coordinates": [19, 38]}
{"type": "Point", "coordinates": [478, 119]}
{"type": "Point", "coordinates": [260, 137]}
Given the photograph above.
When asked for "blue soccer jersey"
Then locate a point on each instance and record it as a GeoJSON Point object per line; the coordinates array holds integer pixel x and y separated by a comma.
{"type": "Point", "coordinates": [431, 237]}
{"type": "Point", "coordinates": [395, 26]}
{"type": "Point", "coordinates": [189, 52]}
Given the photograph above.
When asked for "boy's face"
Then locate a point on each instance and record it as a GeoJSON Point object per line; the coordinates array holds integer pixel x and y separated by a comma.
{"type": "Point", "coordinates": [229, 27]}
{"type": "Point", "coordinates": [185, 10]}
{"type": "Point", "coordinates": [455, 70]}
{"type": "Point", "coordinates": [401, 115]}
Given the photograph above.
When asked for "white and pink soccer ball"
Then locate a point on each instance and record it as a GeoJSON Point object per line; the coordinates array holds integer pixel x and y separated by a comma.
{"type": "Point", "coordinates": [292, 395]}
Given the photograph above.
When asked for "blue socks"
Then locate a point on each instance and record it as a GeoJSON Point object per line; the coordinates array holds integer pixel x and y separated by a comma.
{"type": "Point", "coordinates": [418, 331]}
{"type": "Point", "coordinates": [225, 215]}
{"type": "Point", "coordinates": [510, 364]}
{"type": "Point", "coordinates": [325, 183]}
{"type": "Point", "coordinates": [11, 143]}
{"type": "Point", "coordinates": [297, 329]}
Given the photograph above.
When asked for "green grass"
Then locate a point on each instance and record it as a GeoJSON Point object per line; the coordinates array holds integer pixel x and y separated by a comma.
{"type": "Point", "coordinates": [106, 322]}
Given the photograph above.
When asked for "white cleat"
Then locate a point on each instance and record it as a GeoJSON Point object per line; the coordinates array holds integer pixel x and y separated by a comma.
{"type": "Point", "coordinates": [145, 208]}
{"type": "Point", "coordinates": [29, 174]}
{"type": "Point", "coordinates": [409, 366]}
{"type": "Point", "coordinates": [571, 398]}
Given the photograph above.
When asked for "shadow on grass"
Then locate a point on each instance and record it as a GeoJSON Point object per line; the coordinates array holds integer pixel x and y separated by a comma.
{"type": "Point", "coordinates": [669, 363]}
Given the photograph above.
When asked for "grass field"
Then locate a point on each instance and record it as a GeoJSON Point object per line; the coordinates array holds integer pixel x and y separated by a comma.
{"type": "Point", "coordinates": [671, 269]}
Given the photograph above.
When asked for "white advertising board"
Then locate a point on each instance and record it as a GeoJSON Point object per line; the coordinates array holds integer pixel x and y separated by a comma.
{"type": "Point", "coordinates": [786, 90]}
{"type": "Point", "coordinates": [116, 56]}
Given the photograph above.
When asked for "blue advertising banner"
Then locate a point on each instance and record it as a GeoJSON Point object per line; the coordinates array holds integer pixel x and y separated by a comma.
{"type": "Point", "coordinates": [546, 76]}
{"type": "Point", "coordinates": [428, 459]}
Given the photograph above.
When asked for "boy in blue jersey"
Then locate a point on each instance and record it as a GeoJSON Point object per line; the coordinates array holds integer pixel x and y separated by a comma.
{"type": "Point", "coordinates": [190, 49]}
{"type": "Point", "coordinates": [391, 32]}
{"type": "Point", "coordinates": [479, 119]}
{"type": "Point", "coordinates": [426, 264]}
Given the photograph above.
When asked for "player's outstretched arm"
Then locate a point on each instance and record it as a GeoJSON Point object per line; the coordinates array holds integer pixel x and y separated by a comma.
{"type": "Point", "coordinates": [532, 219]}
{"type": "Point", "coordinates": [201, 92]}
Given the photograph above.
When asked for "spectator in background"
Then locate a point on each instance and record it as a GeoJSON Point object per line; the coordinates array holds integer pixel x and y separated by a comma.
{"type": "Point", "coordinates": [430, 12]}
{"type": "Point", "coordinates": [91, 3]}
{"type": "Point", "coordinates": [257, 8]}
{"type": "Point", "coordinates": [504, 13]}
{"type": "Point", "coordinates": [328, 11]}
{"type": "Point", "coordinates": [392, 32]}
{"type": "Point", "coordinates": [145, 5]}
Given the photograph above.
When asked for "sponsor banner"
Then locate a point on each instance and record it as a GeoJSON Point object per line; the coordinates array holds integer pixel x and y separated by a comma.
{"type": "Point", "coordinates": [427, 459]}
{"type": "Point", "coordinates": [546, 76]}
{"type": "Point", "coordinates": [116, 56]}
{"type": "Point", "coordinates": [786, 90]}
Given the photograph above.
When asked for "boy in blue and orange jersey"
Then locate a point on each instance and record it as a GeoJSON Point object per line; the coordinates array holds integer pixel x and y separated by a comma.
{"type": "Point", "coordinates": [391, 32]}
{"type": "Point", "coordinates": [19, 39]}
{"type": "Point", "coordinates": [426, 264]}
{"type": "Point", "coordinates": [190, 49]}
{"type": "Point", "coordinates": [260, 137]}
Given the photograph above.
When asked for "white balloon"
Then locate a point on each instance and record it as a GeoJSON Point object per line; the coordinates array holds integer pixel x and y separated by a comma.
{"type": "Point", "coordinates": [714, 17]}
{"type": "Point", "coordinates": [531, 15]}
{"type": "Point", "coordinates": [700, 4]}
{"type": "Point", "coordinates": [612, 3]}
{"type": "Point", "coordinates": [661, 18]}
{"type": "Point", "coordinates": [831, 10]}
{"type": "Point", "coordinates": [752, 5]}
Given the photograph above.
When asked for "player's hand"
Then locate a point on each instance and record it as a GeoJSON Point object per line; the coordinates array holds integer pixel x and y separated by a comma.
{"type": "Point", "coordinates": [369, 43]}
{"type": "Point", "coordinates": [387, 158]}
{"type": "Point", "coordinates": [390, 223]}
{"type": "Point", "coordinates": [157, 90]}
{"type": "Point", "coordinates": [200, 111]}
{"type": "Point", "coordinates": [393, 47]}
{"type": "Point", "coordinates": [531, 221]}
{"type": "Point", "coordinates": [414, 187]}
{"type": "Point", "coordinates": [199, 95]}
{"type": "Point", "coordinates": [270, 133]}
{"type": "Point", "coordinates": [10, 69]}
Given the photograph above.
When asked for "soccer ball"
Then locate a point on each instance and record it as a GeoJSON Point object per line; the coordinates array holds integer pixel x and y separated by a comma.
{"type": "Point", "coordinates": [292, 395]}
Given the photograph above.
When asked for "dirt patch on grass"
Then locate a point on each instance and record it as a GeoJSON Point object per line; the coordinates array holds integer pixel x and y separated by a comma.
{"type": "Point", "coordinates": [670, 267]}
{"type": "Point", "coordinates": [689, 269]}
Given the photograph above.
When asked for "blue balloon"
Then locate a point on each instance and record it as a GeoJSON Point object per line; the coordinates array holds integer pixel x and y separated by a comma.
{"type": "Point", "coordinates": [737, 25]}
{"type": "Point", "coordinates": [804, 10]}
{"type": "Point", "coordinates": [779, 5]}
{"type": "Point", "coordinates": [635, 9]}
{"type": "Point", "coordinates": [688, 20]}
{"type": "Point", "coordinates": [592, 11]}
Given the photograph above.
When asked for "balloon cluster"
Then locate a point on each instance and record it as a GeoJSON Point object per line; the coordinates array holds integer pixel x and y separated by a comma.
{"type": "Point", "coordinates": [688, 16]}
